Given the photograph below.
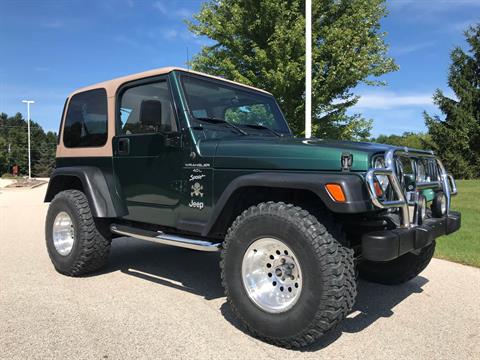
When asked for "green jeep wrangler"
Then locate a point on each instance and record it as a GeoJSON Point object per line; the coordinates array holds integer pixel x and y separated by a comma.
{"type": "Point", "coordinates": [194, 161]}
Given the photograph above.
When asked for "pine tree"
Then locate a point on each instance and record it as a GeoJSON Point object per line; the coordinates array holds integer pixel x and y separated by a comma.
{"type": "Point", "coordinates": [43, 166]}
{"type": "Point", "coordinates": [456, 137]}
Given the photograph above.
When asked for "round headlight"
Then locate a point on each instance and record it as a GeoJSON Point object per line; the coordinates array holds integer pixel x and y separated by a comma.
{"type": "Point", "coordinates": [439, 204]}
{"type": "Point", "coordinates": [382, 179]}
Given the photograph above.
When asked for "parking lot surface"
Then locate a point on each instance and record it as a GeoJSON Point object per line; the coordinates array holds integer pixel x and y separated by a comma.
{"type": "Point", "coordinates": [159, 302]}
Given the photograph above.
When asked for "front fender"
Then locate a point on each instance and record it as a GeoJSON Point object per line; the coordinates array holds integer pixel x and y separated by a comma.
{"type": "Point", "coordinates": [358, 200]}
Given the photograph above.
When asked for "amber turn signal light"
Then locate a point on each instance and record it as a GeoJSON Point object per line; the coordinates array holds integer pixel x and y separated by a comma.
{"type": "Point", "coordinates": [378, 188]}
{"type": "Point", "coordinates": [336, 192]}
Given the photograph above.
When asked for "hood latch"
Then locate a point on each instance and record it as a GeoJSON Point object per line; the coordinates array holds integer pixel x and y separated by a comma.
{"type": "Point", "coordinates": [346, 161]}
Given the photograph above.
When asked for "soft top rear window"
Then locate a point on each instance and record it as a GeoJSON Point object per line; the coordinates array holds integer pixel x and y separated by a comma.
{"type": "Point", "coordinates": [86, 120]}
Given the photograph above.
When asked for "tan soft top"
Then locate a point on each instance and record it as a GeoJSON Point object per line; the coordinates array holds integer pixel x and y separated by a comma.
{"type": "Point", "coordinates": [112, 86]}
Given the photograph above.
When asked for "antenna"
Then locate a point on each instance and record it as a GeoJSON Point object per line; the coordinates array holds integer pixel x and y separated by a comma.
{"type": "Point", "coordinates": [188, 60]}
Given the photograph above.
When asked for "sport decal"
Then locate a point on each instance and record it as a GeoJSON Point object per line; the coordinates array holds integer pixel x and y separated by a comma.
{"type": "Point", "coordinates": [197, 188]}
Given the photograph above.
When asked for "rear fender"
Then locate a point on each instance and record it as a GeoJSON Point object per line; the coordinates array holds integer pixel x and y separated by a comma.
{"type": "Point", "coordinates": [98, 187]}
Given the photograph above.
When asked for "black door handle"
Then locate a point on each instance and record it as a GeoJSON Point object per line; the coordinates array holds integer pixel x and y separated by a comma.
{"type": "Point", "coordinates": [123, 146]}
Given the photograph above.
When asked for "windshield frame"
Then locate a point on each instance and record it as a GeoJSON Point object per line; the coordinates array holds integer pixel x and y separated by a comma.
{"type": "Point", "coordinates": [243, 88]}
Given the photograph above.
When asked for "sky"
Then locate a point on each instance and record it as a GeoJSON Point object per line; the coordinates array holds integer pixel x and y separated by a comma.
{"type": "Point", "coordinates": [52, 47]}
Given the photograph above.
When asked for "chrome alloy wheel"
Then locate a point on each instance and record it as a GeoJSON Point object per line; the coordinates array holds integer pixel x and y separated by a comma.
{"type": "Point", "coordinates": [271, 275]}
{"type": "Point", "coordinates": [63, 233]}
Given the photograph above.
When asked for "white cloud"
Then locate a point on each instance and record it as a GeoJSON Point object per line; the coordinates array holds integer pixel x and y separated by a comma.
{"type": "Point", "coordinates": [158, 5]}
{"type": "Point", "coordinates": [439, 12]}
{"type": "Point", "coordinates": [389, 100]}
{"type": "Point", "coordinates": [432, 6]}
{"type": "Point", "coordinates": [170, 34]}
{"type": "Point", "coordinates": [460, 26]}
{"type": "Point", "coordinates": [410, 48]}
{"type": "Point", "coordinates": [183, 13]}
{"type": "Point", "coordinates": [396, 121]}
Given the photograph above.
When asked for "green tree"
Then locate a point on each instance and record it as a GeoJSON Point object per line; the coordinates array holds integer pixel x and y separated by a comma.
{"type": "Point", "coordinates": [44, 165]}
{"type": "Point", "coordinates": [13, 137]}
{"type": "Point", "coordinates": [456, 136]}
{"type": "Point", "coordinates": [408, 139]}
{"type": "Point", "coordinates": [3, 156]}
{"type": "Point", "coordinates": [262, 43]}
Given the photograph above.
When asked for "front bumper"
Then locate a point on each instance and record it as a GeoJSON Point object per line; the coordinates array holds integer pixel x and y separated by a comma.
{"type": "Point", "coordinates": [387, 245]}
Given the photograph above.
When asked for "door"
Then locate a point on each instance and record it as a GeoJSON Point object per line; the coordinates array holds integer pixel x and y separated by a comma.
{"type": "Point", "coordinates": [147, 152]}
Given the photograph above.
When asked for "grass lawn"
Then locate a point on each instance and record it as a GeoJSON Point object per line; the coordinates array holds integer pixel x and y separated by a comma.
{"type": "Point", "coordinates": [463, 246]}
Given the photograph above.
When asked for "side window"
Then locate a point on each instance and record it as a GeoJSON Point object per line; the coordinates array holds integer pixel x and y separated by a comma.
{"type": "Point", "coordinates": [147, 109]}
{"type": "Point", "coordinates": [86, 120]}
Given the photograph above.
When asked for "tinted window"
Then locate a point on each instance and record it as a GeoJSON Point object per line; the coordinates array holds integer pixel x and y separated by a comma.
{"type": "Point", "coordinates": [147, 109]}
{"type": "Point", "coordinates": [86, 121]}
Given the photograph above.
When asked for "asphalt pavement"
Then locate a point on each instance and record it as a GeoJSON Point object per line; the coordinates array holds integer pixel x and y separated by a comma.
{"type": "Point", "coordinates": [159, 302]}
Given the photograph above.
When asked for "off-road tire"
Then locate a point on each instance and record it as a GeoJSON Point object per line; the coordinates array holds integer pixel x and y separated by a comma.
{"type": "Point", "coordinates": [90, 248]}
{"type": "Point", "coordinates": [399, 270]}
{"type": "Point", "coordinates": [329, 286]}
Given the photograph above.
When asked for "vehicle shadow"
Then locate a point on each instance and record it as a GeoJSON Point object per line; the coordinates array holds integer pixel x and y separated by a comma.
{"type": "Point", "coordinates": [374, 301]}
{"type": "Point", "coordinates": [187, 270]}
{"type": "Point", "coordinates": [198, 273]}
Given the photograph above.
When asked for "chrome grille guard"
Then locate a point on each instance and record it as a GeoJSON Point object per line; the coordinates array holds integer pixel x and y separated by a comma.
{"type": "Point", "coordinates": [444, 181]}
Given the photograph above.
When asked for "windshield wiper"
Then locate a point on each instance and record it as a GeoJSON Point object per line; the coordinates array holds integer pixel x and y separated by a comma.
{"type": "Point", "coordinates": [213, 120]}
{"type": "Point", "coordinates": [258, 126]}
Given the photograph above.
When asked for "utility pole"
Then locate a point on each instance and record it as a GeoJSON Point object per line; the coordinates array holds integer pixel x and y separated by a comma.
{"type": "Point", "coordinates": [308, 68]}
{"type": "Point", "coordinates": [9, 157]}
{"type": "Point", "coordinates": [28, 102]}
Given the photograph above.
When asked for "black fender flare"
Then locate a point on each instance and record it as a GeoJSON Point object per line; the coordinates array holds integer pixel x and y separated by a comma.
{"type": "Point", "coordinates": [98, 186]}
{"type": "Point", "coordinates": [358, 199]}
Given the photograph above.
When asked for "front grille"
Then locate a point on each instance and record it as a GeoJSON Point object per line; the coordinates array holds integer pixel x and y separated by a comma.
{"type": "Point", "coordinates": [413, 170]}
{"type": "Point", "coordinates": [408, 172]}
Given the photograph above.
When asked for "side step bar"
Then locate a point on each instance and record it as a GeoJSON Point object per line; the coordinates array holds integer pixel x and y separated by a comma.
{"type": "Point", "coordinates": [166, 239]}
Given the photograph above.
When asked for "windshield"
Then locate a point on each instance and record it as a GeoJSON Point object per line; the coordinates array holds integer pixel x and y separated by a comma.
{"type": "Point", "coordinates": [216, 106]}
